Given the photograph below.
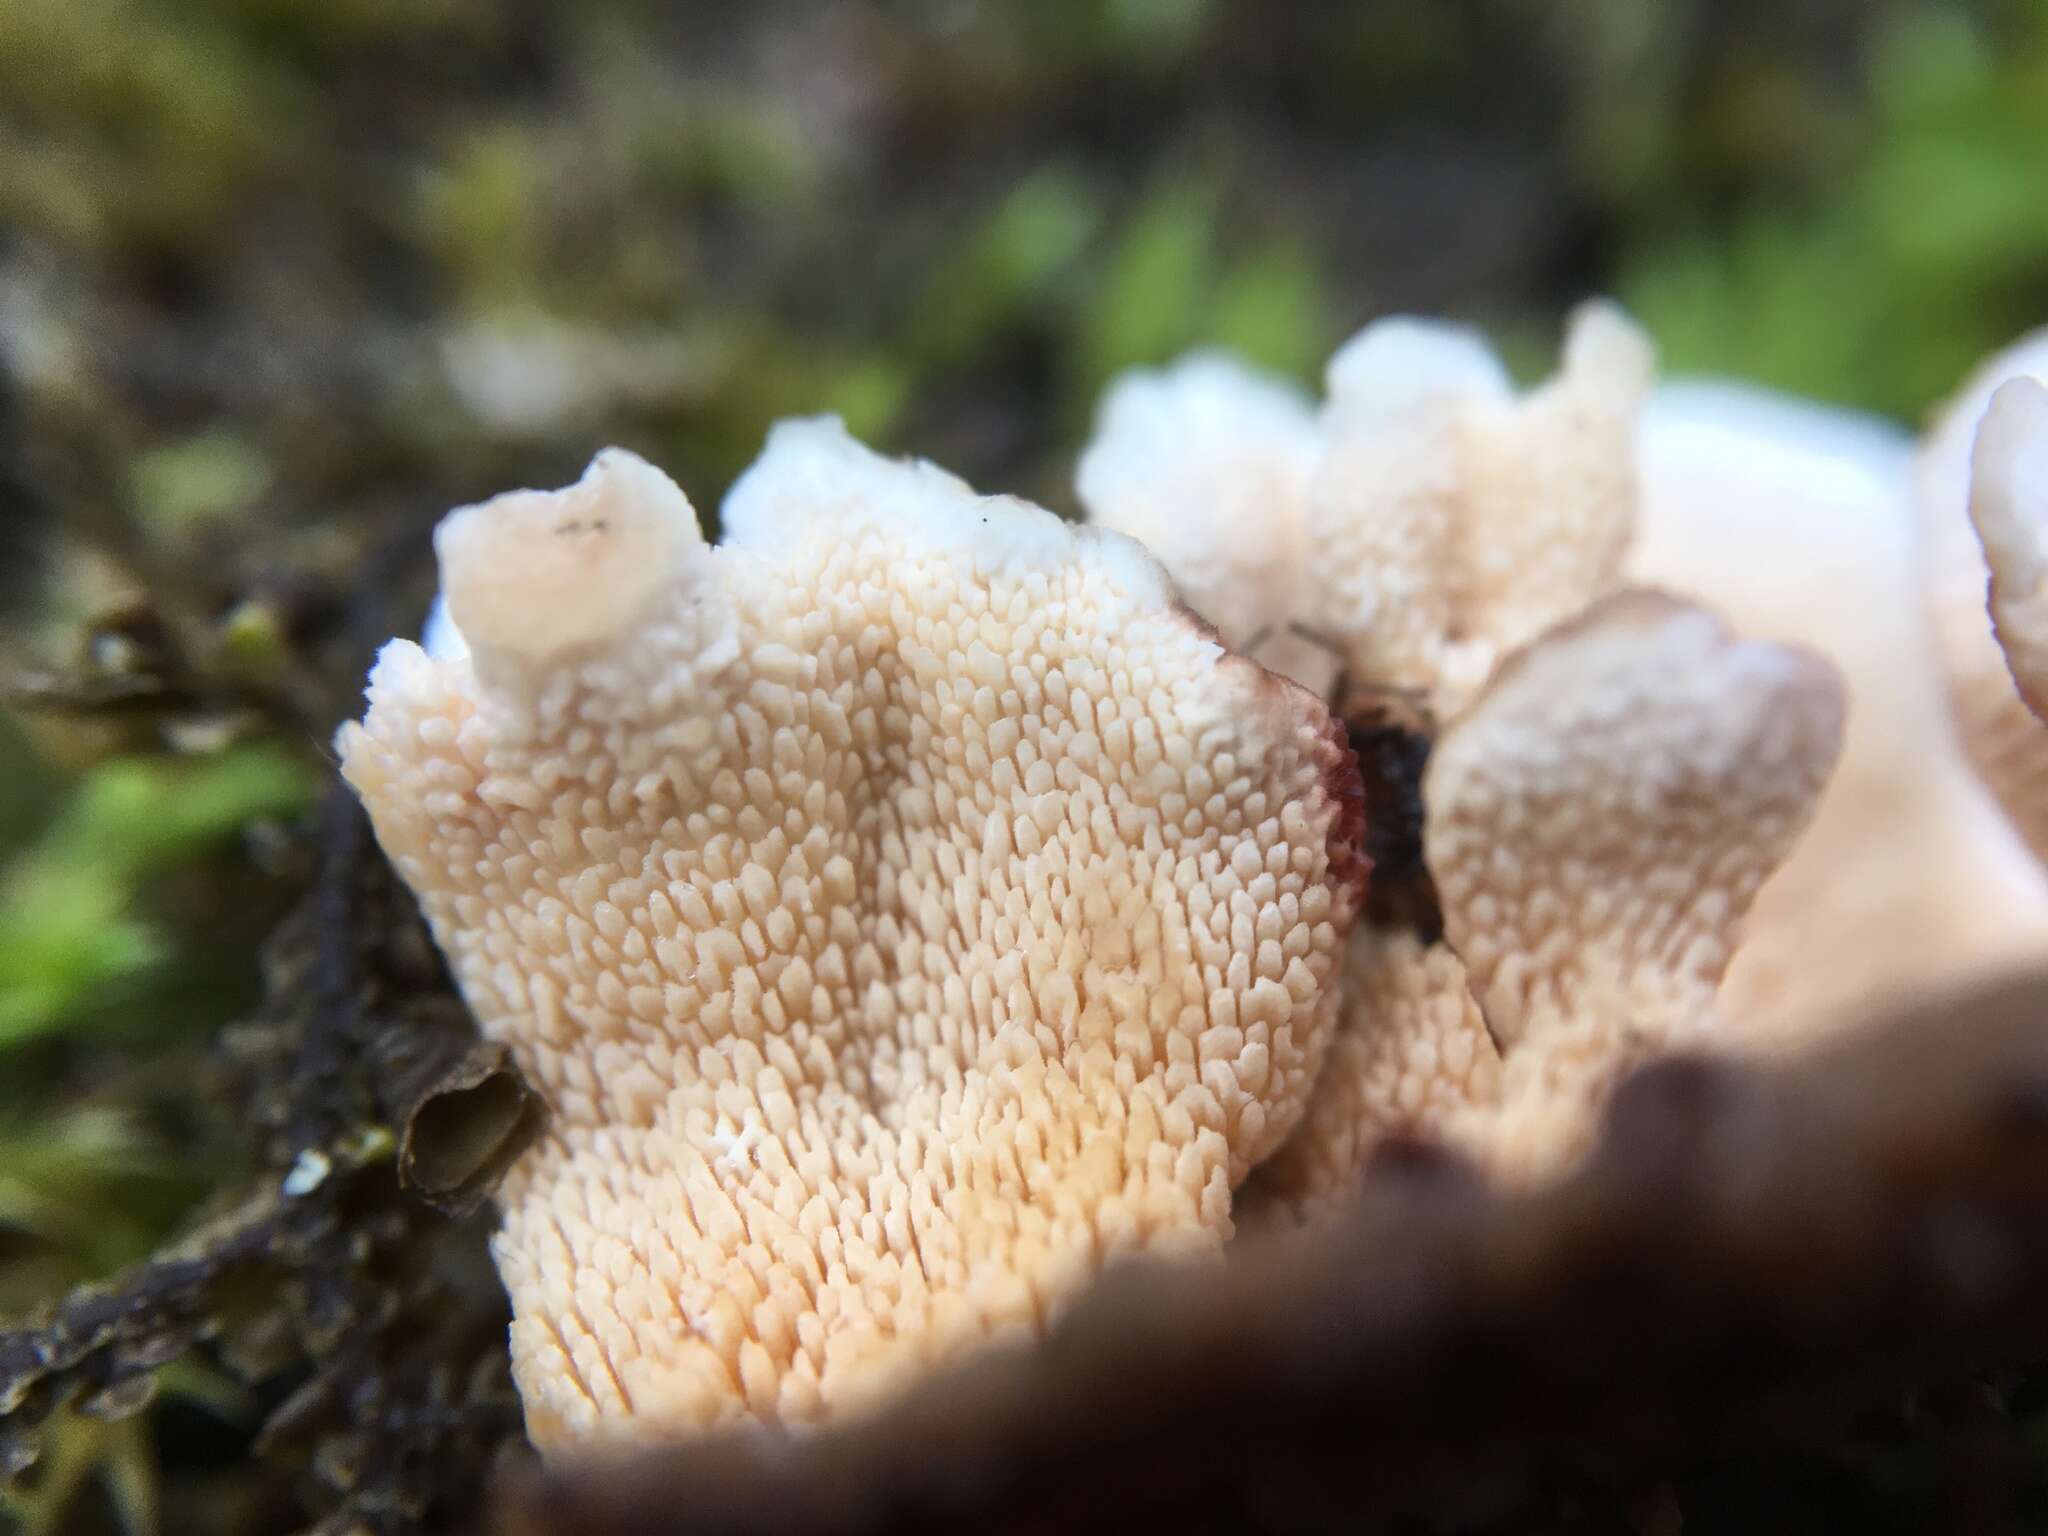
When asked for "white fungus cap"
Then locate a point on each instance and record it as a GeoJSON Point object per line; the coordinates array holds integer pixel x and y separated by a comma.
{"type": "Point", "coordinates": [903, 907]}
{"type": "Point", "coordinates": [1447, 521]}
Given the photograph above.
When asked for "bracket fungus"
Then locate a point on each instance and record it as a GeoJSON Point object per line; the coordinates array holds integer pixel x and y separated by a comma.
{"type": "Point", "coordinates": [902, 906]}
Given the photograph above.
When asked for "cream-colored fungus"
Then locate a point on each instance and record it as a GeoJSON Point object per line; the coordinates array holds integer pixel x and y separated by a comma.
{"type": "Point", "coordinates": [2003, 739]}
{"type": "Point", "coordinates": [2009, 510]}
{"type": "Point", "coordinates": [1425, 523]}
{"type": "Point", "coordinates": [1799, 525]}
{"type": "Point", "coordinates": [1597, 824]}
{"type": "Point", "coordinates": [903, 906]}
{"type": "Point", "coordinates": [908, 904]}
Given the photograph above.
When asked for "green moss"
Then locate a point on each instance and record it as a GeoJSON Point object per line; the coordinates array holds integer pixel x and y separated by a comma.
{"type": "Point", "coordinates": [1177, 277]}
{"type": "Point", "coordinates": [119, 1456]}
{"type": "Point", "coordinates": [68, 930]}
{"type": "Point", "coordinates": [253, 641]}
{"type": "Point", "coordinates": [1155, 31]}
{"type": "Point", "coordinates": [90, 1184]}
{"type": "Point", "coordinates": [869, 394]}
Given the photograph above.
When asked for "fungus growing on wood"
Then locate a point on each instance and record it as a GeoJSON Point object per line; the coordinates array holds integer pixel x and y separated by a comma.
{"type": "Point", "coordinates": [1598, 824]}
{"type": "Point", "coordinates": [1753, 1255]}
{"type": "Point", "coordinates": [903, 906]}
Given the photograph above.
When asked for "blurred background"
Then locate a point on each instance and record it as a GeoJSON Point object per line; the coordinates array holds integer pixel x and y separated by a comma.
{"type": "Point", "coordinates": [280, 282]}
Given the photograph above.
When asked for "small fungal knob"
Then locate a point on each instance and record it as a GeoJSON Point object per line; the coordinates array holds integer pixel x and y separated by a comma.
{"type": "Point", "coordinates": [542, 573]}
{"type": "Point", "coordinates": [1603, 344]}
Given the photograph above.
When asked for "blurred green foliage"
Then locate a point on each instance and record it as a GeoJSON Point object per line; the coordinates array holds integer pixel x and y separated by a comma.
{"type": "Point", "coordinates": [69, 931]}
{"type": "Point", "coordinates": [71, 1182]}
{"type": "Point", "coordinates": [1920, 247]}
{"type": "Point", "coordinates": [1004, 262]}
{"type": "Point", "coordinates": [89, 954]}
{"type": "Point", "coordinates": [118, 1456]}
{"type": "Point", "coordinates": [139, 120]}
{"type": "Point", "coordinates": [1164, 286]}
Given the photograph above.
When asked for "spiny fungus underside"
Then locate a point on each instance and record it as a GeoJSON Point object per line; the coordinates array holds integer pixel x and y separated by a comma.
{"type": "Point", "coordinates": [903, 906]}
